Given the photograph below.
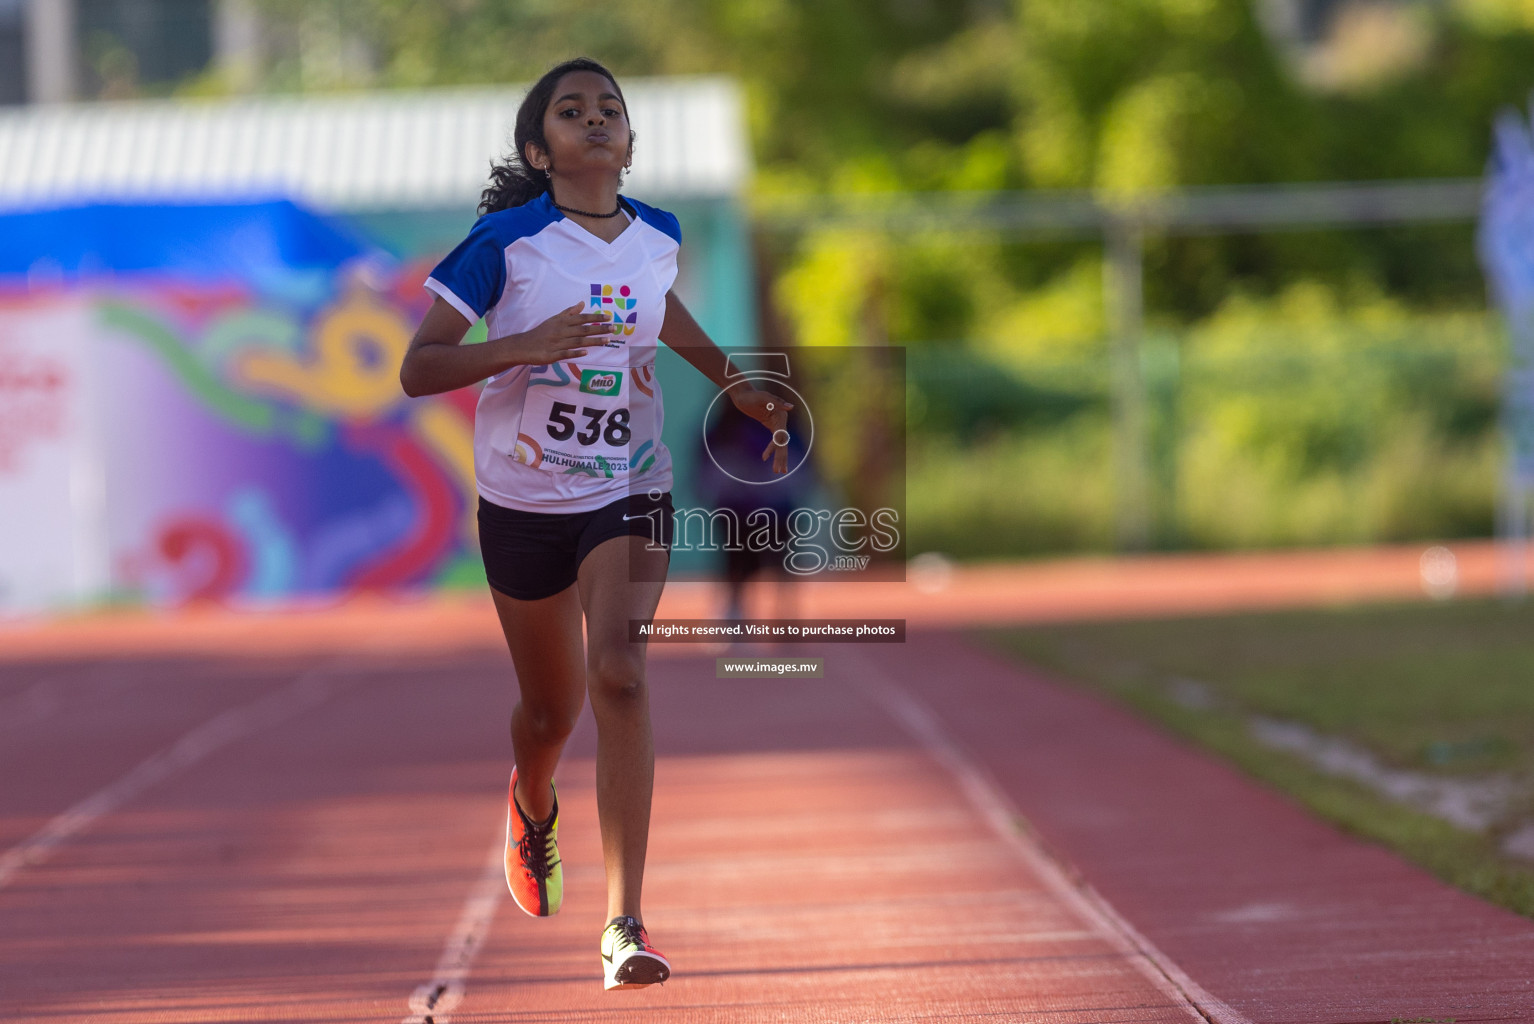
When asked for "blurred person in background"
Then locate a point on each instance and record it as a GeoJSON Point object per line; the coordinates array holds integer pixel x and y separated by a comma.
{"type": "Point", "coordinates": [760, 513]}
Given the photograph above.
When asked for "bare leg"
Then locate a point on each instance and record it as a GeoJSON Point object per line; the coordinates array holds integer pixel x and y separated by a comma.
{"type": "Point", "coordinates": [545, 641]}
{"type": "Point", "coordinates": [615, 679]}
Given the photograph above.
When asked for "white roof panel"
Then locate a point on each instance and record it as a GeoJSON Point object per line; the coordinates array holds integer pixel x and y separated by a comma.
{"type": "Point", "coordinates": [351, 151]}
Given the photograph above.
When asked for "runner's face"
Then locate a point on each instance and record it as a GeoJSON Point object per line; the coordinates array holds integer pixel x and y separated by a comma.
{"type": "Point", "coordinates": [586, 126]}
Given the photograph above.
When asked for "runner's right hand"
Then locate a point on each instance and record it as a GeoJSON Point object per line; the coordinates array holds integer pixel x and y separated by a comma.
{"type": "Point", "coordinates": [562, 336]}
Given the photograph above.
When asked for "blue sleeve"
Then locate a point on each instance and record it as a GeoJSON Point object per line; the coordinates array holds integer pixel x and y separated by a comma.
{"type": "Point", "coordinates": [673, 226]}
{"type": "Point", "coordinates": [472, 276]}
{"type": "Point", "coordinates": [660, 220]}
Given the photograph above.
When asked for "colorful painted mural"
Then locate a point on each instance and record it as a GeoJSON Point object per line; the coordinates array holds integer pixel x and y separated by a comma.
{"type": "Point", "coordinates": [285, 457]}
{"type": "Point", "coordinates": [245, 437]}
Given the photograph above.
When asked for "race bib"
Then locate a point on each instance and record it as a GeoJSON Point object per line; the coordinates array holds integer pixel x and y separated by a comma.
{"type": "Point", "coordinates": [590, 421]}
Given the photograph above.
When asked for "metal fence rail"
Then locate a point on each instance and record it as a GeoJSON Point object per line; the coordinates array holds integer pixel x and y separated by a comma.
{"type": "Point", "coordinates": [1200, 210]}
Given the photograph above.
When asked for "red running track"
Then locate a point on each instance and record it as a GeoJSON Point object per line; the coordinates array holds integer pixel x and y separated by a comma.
{"type": "Point", "coordinates": [196, 839]}
{"type": "Point", "coordinates": [1275, 913]}
{"type": "Point", "coordinates": [306, 837]}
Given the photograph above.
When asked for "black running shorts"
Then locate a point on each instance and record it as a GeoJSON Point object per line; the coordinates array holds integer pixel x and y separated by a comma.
{"type": "Point", "coordinates": [533, 555]}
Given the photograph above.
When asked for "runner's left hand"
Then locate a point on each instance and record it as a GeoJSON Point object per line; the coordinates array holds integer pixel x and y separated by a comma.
{"type": "Point", "coordinates": [771, 412]}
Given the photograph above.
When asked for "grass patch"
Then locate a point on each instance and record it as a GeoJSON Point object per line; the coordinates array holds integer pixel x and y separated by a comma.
{"type": "Point", "coordinates": [1443, 689]}
{"type": "Point", "coordinates": [1011, 495]}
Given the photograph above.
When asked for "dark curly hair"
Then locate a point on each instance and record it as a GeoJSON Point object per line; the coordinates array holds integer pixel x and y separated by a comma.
{"type": "Point", "coordinates": [512, 182]}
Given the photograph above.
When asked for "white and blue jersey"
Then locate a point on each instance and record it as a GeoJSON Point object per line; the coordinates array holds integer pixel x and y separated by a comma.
{"type": "Point", "coordinates": [576, 435]}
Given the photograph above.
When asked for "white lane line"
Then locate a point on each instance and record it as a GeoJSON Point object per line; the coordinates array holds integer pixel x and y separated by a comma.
{"type": "Point", "coordinates": [302, 693]}
{"type": "Point", "coordinates": [998, 811]}
{"type": "Point", "coordinates": [433, 1001]}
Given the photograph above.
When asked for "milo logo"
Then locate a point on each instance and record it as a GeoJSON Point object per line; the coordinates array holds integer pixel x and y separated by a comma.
{"type": "Point", "coordinates": [601, 382]}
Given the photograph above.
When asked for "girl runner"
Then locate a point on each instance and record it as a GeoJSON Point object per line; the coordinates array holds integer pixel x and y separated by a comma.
{"type": "Point", "coordinates": [574, 283]}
